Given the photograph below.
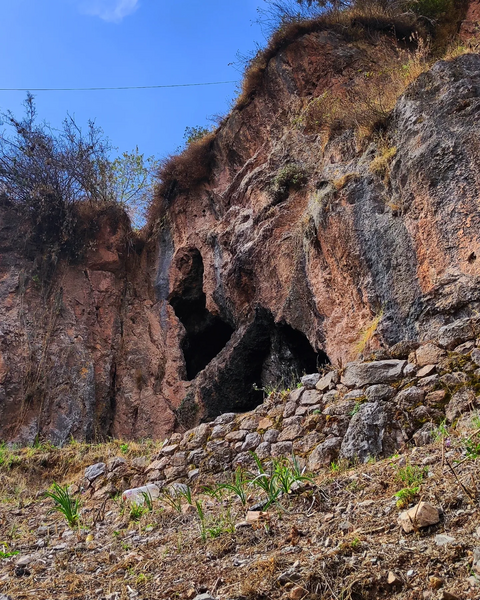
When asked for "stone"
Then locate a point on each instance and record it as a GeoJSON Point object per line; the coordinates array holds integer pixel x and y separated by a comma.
{"type": "Point", "coordinates": [330, 397]}
{"type": "Point", "coordinates": [444, 540]}
{"type": "Point", "coordinates": [435, 399]}
{"type": "Point", "coordinates": [310, 381]}
{"type": "Point", "coordinates": [158, 465]}
{"type": "Point", "coordinates": [340, 409]}
{"type": "Point", "coordinates": [464, 348]}
{"type": "Point", "coordinates": [23, 561]}
{"type": "Point", "coordinates": [169, 450]}
{"type": "Point", "coordinates": [429, 354]}
{"type": "Point", "coordinates": [428, 383]}
{"type": "Point", "coordinates": [366, 432]}
{"type": "Point", "coordinates": [311, 397]}
{"type": "Point", "coordinates": [198, 436]}
{"type": "Point", "coordinates": [174, 472]}
{"type": "Point", "coordinates": [193, 474]}
{"type": "Point", "coordinates": [115, 463]}
{"type": "Point", "coordinates": [252, 440]}
{"type": "Point", "coordinates": [297, 593]}
{"type": "Point", "coordinates": [282, 449]}
{"type": "Point", "coordinates": [455, 333]}
{"type": "Point", "coordinates": [410, 370]}
{"type": "Point", "coordinates": [271, 436]}
{"type": "Point", "coordinates": [265, 423]}
{"type": "Point", "coordinates": [358, 374]}
{"type": "Point", "coordinates": [306, 442]}
{"type": "Point", "coordinates": [463, 401]}
{"type": "Point", "coordinates": [301, 411]}
{"type": "Point", "coordinates": [324, 454]}
{"type": "Point", "coordinates": [221, 431]}
{"type": "Point", "coordinates": [179, 459]}
{"type": "Point", "coordinates": [236, 436]}
{"type": "Point", "coordinates": [289, 410]}
{"type": "Point", "coordinates": [327, 381]}
{"type": "Point", "coordinates": [424, 435]}
{"type": "Point", "coordinates": [380, 391]}
{"type": "Point", "coordinates": [475, 356]}
{"type": "Point", "coordinates": [421, 515]}
{"type": "Point", "coordinates": [140, 462]}
{"type": "Point", "coordinates": [402, 349]}
{"type": "Point", "coordinates": [295, 395]}
{"type": "Point", "coordinates": [225, 419]}
{"type": "Point", "coordinates": [393, 579]}
{"type": "Point", "coordinates": [449, 596]}
{"type": "Point", "coordinates": [264, 450]}
{"type": "Point", "coordinates": [250, 423]}
{"type": "Point", "coordinates": [94, 471]}
{"type": "Point", "coordinates": [426, 371]}
{"type": "Point", "coordinates": [410, 398]}
{"type": "Point", "coordinates": [355, 395]}
{"type": "Point", "coordinates": [290, 433]}
{"type": "Point", "coordinates": [292, 421]}
{"type": "Point", "coordinates": [435, 582]}
{"type": "Point", "coordinates": [204, 597]}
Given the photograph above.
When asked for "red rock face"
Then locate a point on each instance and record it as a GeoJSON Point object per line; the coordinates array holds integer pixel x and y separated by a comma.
{"type": "Point", "coordinates": [294, 252]}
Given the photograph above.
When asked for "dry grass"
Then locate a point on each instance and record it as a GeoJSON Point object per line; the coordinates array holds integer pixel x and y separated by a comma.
{"type": "Point", "coordinates": [380, 165]}
{"type": "Point", "coordinates": [368, 333]}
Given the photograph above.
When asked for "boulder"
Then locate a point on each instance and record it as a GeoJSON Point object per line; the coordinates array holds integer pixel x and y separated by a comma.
{"type": "Point", "coordinates": [380, 391]}
{"type": "Point", "coordinates": [328, 381]}
{"type": "Point", "coordinates": [461, 402]}
{"type": "Point", "coordinates": [410, 398]}
{"type": "Point", "coordinates": [365, 436]}
{"type": "Point", "coordinates": [358, 374]}
{"type": "Point", "coordinates": [94, 471]}
{"type": "Point", "coordinates": [455, 333]}
{"type": "Point", "coordinates": [324, 454]}
{"type": "Point", "coordinates": [310, 381]}
{"type": "Point", "coordinates": [429, 354]}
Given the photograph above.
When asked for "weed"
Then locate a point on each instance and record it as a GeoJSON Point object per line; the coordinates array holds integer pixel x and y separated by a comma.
{"type": "Point", "coordinates": [411, 475]}
{"type": "Point", "coordinates": [64, 503]}
{"type": "Point", "coordinates": [291, 176]}
{"type": "Point", "coordinates": [334, 467]}
{"type": "Point", "coordinates": [173, 497]}
{"type": "Point", "coordinates": [472, 449]}
{"type": "Point", "coordinates": [355, 543]}
{"type": "Point", "coordinates": [405, 496]}
{"type": "Point", "coordinates": [5, 553]}
{"type": "Point", "coordinates": [201, 517]}
{"type": "Point", "coordinates": [147, 501]}
{"type": "Point", "coordinates": [137, 511]}
{"type": "Point", "coordinates": [441, 431]}
{"type": "Point", "coordinates": [186, 493]}
{"type": "Point", "coordinates": [238, 486]}
{"type": "Point", "coordinates": [355, 409]}
{"type": "Point", "coordinates": [380, 165]}
{"type": "Point", "coordinates": [124, 448]}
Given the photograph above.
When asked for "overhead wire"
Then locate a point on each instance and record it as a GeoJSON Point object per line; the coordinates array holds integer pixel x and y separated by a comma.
{"type": "Point", "coordinates": [130, 87]}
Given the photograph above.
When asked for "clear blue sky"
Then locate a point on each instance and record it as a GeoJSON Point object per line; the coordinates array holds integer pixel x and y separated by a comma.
{"type": "Point", "coordinates": [103, 43]}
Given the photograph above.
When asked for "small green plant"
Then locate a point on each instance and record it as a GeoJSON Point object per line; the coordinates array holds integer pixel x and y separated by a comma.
{"type": "Point", "coordinates": [288, 474]}
{"type": "Point", "coordinates": [202, 521]}
{"type": "Point", "coordinates": [137, 511]}
{"type": "Point", "coordinates": [186, 493]}
{"type": "Point", "coordinates": [355, 409]}
{"type": "Point", "coordinates": [355, 543]}
{"type": "Point", "coordinates": [441, 431]}
{"type": "Point", "coordinates": [334, 467]}
{"type": "Point", "coordinates": [147, 501]}
{"type": "Point", "coordinates": [173, 497]}
{"type": "Point", "coordinates": [406, 496]}
{"type": "Point", "coordinates": [412, 475]}
{"type": "Point", "coordinates": [64, 503]}
{"type": "Point", "coordinates": [472, 449]}
{"type": "Point", "coordinates": [5, 553]}
{"type": "Point", "coordinates": [238, 486]}
{"type": "Point", "coordinates": [124, 448]}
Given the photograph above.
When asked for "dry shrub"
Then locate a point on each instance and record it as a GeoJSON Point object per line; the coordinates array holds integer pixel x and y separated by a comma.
{"type": "Point", "coordinates": [380, 165]}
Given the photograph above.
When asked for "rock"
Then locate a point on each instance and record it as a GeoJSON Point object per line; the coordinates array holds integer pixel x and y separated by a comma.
{"type": "Point", "coordinates": [330, 397]}
{"type": "Point", "coordinates": [310, 381]}
{"type": "Point", "coordinates": [410, 398]}
{"type": "Point", "coordinates": [306, 443]}
{"type": "Point", "coordinates": [289, 410]}
{"type": "Point", "coordinates": [140, 462]}
{"type": "Point", "coordinates": [271, 436]}
{"type": "Point", "coordinates": [204, 597]}
{"type": "Point", "coordinates": [435, 399]}
{"type": "Point", "coordinates": [374, 393]}
{"type": "Point", "coordinates": [443, 540]}
{"type": "Point", "coordinates": [410, 370]}
{"type": "Point", "coordinates": [393, 579]}
{"type": "Point", "coordinates": [282, 449]}
{"type": "Point", "coordinates": [455, 333]}
{"type": "Point", "coordinates": [115, 463]}
{"type": "Point", "coordinates": [311, 397]}
{"type": "Point", "coordinates": [366, 432]}
{"type": "Point", "coordinates": [252, 440]}
{"type": "Point", "coordinates": [358, 374]}
{"type": "Point", "coordinates": [355, 395]}
{"type": "Point", "coordinates": [327, 381]}
{"type": "Point", "coordinates": [264, 450]}
{"type": "Point", "coordinates": [427, 383]}
{"type": "Point", "coordinates": [424, 436]}
{"type": "Point", "coordinates": [340, 409]}
{"type": "Point", "coordinates": [464, 348]}
{"type": "Point", "coordinates": [221, 431]}
{"type": "Point", "coordinates": [435, 582]}
{"type": "Point", "coordinates": [475, 356]}
{"type": "Point", "coordinates": [236, 436]}
{"type": "Point", "coordinates": [426, 371]}
{"type": "Point", "coordinates": [290, 433]}
{"type": "Point", "coordinates": [429, 354]}
{"type": "Point", "coordinates": [23, 561]}
{"type": "Point", "coordinates": [421, 515]}
{"type": "Point", "coordinates": [461, 402]}
{"type": "Point", "coordinates": [94, 471]}
{"type": "Point", "coordinates": [197, 437]}
{"type": "Point", "coordinates": [324, 454]}
{"type": "Point", "coordinates": [250, 423]}
{"type": "Point", "coordinates": [401, 350]}
{"type": "Point", "coordinates": [169, 450]}
{"type": "Point", "coordinates": [297, 593]}
{"type": "Point", "coordinates": [265, 423]}
{"type": "Point", "coordinates": [225, 419]}
{"type": "Point", "coordinates": [158, 465]}
{"type": "Point", "coordinates": [295, 395]}
{"type": "Point", "coordinates": [449, 596]}
{"type": "Point", "coordinates": [193, 474]}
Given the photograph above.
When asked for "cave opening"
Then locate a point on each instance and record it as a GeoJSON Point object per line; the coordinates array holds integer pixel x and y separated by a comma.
{"type": "Point", "coordinates": [206, 334]}
{"type": "Point", "coordinates": [268, 356]}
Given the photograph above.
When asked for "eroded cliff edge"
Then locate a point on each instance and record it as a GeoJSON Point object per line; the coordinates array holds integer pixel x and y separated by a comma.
{"type": "Point", "coordinates": [284, 250]}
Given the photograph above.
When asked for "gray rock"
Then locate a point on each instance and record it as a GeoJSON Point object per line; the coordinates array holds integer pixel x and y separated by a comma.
{"type": "Point", "coordinates": [193, 474]}
{"type": "Point", "coordinates": [324, 454]}
{"type": "Point", "coordinates": [290, 433]}
{"type": "Point", "coordinates": [289, 410]}
{"type": "Point", "coordinates": [282, 449]}
{"type": "Point", "coordinates": [475, 356]}
{"type": "Point", "coordinates": [354, 395]}
{"type": "Point", "coordinates": [410, 370]}
{"type": "Point", "coordinates": [455, 333]}
{"type": "Point", "coordinates": [410, 398]}
{"type": "Point", "coordinates": [461, 402]}
{"type": "Point", "coordinates": [307, 442]}
{"type": "Point", "coordinates": [426, 371]}
{"type": "Point", "coordinates": [340, 409]}
{"type": "Point", "coordinates": [380, 391]}
{"type": "Point", "coordinates": [310, 381]}
{"type": "Point", "coordinates": [424, 436]}
{"type": "Point", "coordinates": [429, 354]}
{"type": "Point", "coordinates": [252, 440]}
{"type": "Point", "coordinates": [94, 471]}
{"type": "Point", "coordinates": [225, 419]}
{"type": "Point", "coordinates": [366, 432]}
{"type": "Point", "coordinates": [263, 450]}
{"type": "Point", "coordinates": [114, 463]}
{"type": "Point", "coordinates": [271, 436]}
{"type": "Point", "coordinates": [328, 381]}
{"type": "Point", "coordinates": [295, 395]}
{"type": "Point", "coordinates": [402, 349]}
{"type": "Point", "coordinates": [330, 397]}
{"type": "Point", "coordinates": [311, 397]}
{"type": "Point", "coordinates": [204, 597]}
{"type": "Point", "coordinates": [383, 371]}
{"type": "Point", "coordinates": [444, 540]}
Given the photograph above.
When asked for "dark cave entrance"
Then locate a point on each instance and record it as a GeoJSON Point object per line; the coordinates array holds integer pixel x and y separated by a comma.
{"type": "Point", "coordinates": [268, 356]}
{"type": "Point", "coordinates": [206, 334]}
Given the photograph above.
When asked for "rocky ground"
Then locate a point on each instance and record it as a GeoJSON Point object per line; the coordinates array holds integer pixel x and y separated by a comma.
{"type": "Point", "coordinates": [337, 537]}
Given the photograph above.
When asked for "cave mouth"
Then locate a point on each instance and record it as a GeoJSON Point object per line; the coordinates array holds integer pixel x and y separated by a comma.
{"type": "Point", "coordinates": [269, 356]}
{"type": "Point", "coordinates": [206, 334]}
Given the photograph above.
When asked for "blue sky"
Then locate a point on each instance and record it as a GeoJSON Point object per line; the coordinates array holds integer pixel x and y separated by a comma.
{"type": "Point", "coordinates": [107, 43]}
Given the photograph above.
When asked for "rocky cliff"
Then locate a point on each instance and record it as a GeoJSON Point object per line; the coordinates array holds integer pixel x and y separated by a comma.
{"type": "Point", "coordinates": [293, 247]}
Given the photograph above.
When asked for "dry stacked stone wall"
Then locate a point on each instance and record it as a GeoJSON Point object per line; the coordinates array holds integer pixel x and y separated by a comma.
{"type": "Point", "coordinates": [367, 409]}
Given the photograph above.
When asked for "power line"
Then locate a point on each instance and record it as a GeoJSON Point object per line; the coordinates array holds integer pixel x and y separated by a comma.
{"type": "Point", "coordinates": [97, 89]}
